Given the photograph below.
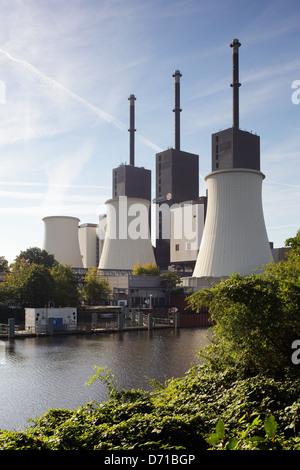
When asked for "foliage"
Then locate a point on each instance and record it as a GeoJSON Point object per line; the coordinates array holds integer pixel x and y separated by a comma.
{"type": "Point", "coordinates": [34, 285]}
{"type": "Point", "coordinates": [256, 317]}
{"type": "Point", "coordinates": [65, 291]}
{"type": "Point", "coordinates": [244, 440]}
{"type": "Point", "coordinates": [184, 413]}
{"type": "Point", "coordinates": [294, 244]}
{"type": "Point", "coordinates": [95, 290]}
{"type": "Point", "coordinates": [244, 396]}
{"type": "Point", "coordinates": [3, 265]}
{"type": "Point", "coordinates": [35, 255]}
{"type": "Point", "coordinates": [170, 280]}
{"type": "Point", "coordinates": [38, 288]}
{"type": "Point", "coordinates": [30, 285]}
{"type": "Point", "coordinates": [148, 269]}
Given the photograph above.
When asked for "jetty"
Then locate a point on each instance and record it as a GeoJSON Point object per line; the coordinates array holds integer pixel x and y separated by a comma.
{"type": "Point", "coordinates": [106, 319]}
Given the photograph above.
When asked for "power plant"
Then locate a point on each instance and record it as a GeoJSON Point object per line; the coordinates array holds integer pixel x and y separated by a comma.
{"type": "Point", "coordinates": [127, 239]}
{"type": "Point", "coordinates": [61, 239]}
{"type": "Point", "coordinates": [234, 237]}
{"type": "Point", "coordinates": [204, 237]}
{"type": "Point", "coordinates": [177, 180]}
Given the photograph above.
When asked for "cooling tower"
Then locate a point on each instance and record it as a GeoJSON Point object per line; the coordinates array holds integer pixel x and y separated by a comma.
{"type": "Point", "coordinates": [61, 239]}
{"type": "Point", "coordinates": [127, 241]}
{"type": "Point", "coordinates": [234, 237]}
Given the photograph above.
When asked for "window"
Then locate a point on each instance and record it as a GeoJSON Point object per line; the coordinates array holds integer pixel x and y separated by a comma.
{"type": "Point", "coordinates": [177, 247]}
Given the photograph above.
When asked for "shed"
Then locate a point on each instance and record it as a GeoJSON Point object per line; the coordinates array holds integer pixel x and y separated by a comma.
{"type": "Point", "coordinates": [64, 319]}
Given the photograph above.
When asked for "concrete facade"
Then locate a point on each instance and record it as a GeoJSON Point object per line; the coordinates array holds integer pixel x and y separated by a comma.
{"type": "Point", "coordinates": [61, 239]}
{"type": "Point", "coordinates": [234, 237]}
{"type": "Point", "coordinates": [127, 240]}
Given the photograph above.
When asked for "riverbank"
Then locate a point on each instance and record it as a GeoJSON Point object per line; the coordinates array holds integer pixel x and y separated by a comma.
{"type": "Point", "coordinates": [94, 321]}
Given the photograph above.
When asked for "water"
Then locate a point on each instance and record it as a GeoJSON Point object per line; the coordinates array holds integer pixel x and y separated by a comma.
{"type": "Point", "coordinates": [37, 374]}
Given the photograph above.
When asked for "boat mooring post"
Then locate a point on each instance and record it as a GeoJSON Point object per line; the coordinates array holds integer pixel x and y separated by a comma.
{"type": "Point", "coordinates": [11, 327]}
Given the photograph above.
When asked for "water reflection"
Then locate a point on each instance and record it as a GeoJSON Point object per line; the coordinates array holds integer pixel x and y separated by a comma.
{"type": "Point", "coordinates": [37, 374]}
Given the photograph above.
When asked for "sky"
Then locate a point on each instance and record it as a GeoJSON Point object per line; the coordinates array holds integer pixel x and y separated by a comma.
{"type": "Point", "coordinates": [68, 68]}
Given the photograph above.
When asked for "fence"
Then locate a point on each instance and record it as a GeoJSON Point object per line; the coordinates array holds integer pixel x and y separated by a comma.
{"type": "Point", "coordinates": [118, 320]}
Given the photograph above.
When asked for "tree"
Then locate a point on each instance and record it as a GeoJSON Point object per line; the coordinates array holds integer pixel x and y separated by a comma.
{"type": "Point", "coordinates": [170, 280]}
{"type": "Point", "coordinates": [39, 288]}
{"type": "Point", "coordinates": [29, 285]}
{"type": "Point", "coordinates": [256, 317]}
{"type": "Point", "coordinates": [95, 290]}
{"type": "Point", "coordinates": [65, 292]}
{"type": "Point", "coordinates": [294, 244]}
{"type": "Point", "coordinates": [37, 256]}
{"type": "Point", "coordinates": [148, 269]}
{"type": "Point", "coordinates": [3, 265]}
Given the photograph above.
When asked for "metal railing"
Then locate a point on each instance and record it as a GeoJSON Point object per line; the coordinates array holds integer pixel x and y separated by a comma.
{"type": "Point", "coordinates": [100, 322]}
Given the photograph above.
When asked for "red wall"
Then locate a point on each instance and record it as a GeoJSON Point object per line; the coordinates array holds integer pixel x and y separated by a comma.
{"type": "Point", "coordinates": [189, 318]}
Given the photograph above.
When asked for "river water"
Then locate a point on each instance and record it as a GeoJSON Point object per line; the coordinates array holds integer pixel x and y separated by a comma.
{"type": "Point", "coordinates": [37, 374]}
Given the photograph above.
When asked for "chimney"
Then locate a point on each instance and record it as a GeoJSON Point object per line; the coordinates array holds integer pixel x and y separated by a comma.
{"type": "Point", "coordinates": [235, 81]}
{"type": "Point", "coordinates": [177, 109]}
{"type": "Point", "coordinates": [131, 129]}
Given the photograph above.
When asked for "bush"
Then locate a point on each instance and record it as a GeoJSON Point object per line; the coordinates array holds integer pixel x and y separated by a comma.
{"type": "Point", "coordinates": [256, 317]}
{"type": "Point", "coordinates": [180, 414]}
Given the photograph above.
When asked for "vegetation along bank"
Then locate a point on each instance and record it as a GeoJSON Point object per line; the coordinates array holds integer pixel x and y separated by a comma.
{"type": "Point", "coordinates": [245, 395]}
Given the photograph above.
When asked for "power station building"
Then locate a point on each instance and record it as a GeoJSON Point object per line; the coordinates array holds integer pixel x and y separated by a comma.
{"type": "Point", "coordinates": [130, 180]}
{"type": "Point", "coordinates": [177, 182]}
{"type": "Point", "coordinates": [234, 237]}
{"type": "Point", "coordinates": [127, 237]}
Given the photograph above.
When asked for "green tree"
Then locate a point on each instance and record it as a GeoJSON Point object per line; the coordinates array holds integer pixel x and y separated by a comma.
{"type": "Point", "coordinates": [170, 280]}
{"type": "Point", "coordinates": [95, 290]}
{"type": "Point", "coordinates": [29, 285]}
{"type": "Point", "coordinates": [35, 255]}
{"type": "Point", "coordinates": [39, 287]}
{"type": "Point", "coordinates": [294, 244]}
{"type": "Point", "coordinates": [66, 291]}
{"type": "Point", "coordinates": [256, 317]}
{"type": "Point", "coordinates": [148, 269]}
{"type": "Point", "coordinates": [3, 265]}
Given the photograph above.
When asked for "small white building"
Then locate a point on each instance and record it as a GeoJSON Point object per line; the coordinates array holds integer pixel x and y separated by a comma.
{"type": "Point", "coordinates": [37, 319]}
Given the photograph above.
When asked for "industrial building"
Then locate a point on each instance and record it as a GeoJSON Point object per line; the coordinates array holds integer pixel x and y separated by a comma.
{"type": "Point", "coordinates": [131, 180]}
{"type": "Point", "coordinates": [203, 237]}
{"type": "Point", "coordinates": [177, 180]}
{"type": "Point", "coordinates": [61, 239]}
{"type": "Point", "coordinates": [187, 225]}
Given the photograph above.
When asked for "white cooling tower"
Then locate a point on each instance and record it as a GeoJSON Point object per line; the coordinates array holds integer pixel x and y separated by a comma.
{"type": "Point", "coordinates": [234, 237]}
{"type": "Point", "coordinates": [61, 239]}
{"type": "Point", "coordinates": [127, 241]}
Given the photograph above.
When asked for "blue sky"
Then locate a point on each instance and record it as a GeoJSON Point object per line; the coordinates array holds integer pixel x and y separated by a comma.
{"type": "Point", "coordinates": [68, 68]}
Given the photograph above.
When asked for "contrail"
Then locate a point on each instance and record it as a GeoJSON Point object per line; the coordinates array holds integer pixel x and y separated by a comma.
{"type": "Point", "coordinates": [94, 109]}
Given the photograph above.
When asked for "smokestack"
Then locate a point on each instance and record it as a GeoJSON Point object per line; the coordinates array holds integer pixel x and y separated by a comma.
{"type": "Point", "coordinates": [235, 81]}
{"type": "Point", "coordinates": [177, 109]}
{"type": "Point", "coordinates": [131, 130]}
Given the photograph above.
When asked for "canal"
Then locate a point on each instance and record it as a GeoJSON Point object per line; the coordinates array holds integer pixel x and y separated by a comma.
{"type": "Point", "coordinates": [37, 374]}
